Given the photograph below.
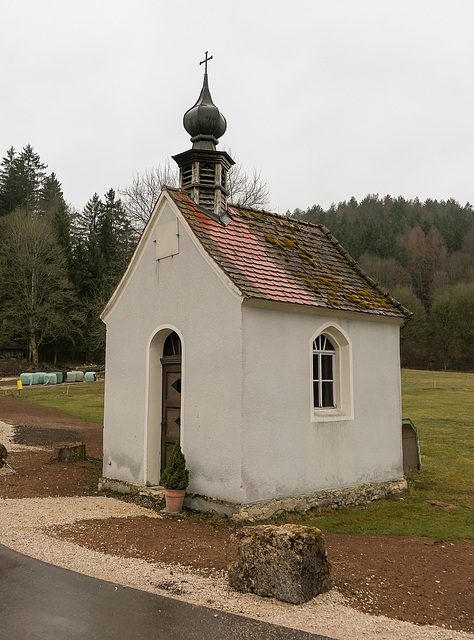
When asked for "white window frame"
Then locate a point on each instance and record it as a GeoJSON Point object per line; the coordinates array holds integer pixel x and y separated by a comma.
{"type": "Point", "coordinates": [342, 378]}
{"type": "Point", "coordinates": [324, 376]}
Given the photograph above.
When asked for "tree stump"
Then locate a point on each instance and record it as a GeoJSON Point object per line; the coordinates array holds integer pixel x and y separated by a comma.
{"type": "Point", "coordinates": [68, 452]}
{"type": "Point", "coordinates": [288, 562]}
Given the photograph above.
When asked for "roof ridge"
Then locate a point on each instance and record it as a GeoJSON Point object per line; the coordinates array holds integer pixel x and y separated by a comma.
{"type": "Point", "coordinates": [246, 208]}
{"type": "Point", "coordinates": [282, 216]}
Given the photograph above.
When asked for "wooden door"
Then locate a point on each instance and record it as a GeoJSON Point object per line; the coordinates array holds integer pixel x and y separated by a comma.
{"type": "Point", "coordinates": [171, 411]}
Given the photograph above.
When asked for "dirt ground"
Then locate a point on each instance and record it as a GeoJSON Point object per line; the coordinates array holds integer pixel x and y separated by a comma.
{"type": "Point", "coordinates": [414, 579]}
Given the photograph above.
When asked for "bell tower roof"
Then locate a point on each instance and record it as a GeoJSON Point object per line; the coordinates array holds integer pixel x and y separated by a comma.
{"type": "Point", "coordinates": [203, 169]}
{"type": "Point", "coordinates": [203, 121]}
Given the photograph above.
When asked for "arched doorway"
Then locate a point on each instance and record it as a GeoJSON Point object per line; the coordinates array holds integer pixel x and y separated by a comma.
{"type": "Point", "coordinates": [171, 396]}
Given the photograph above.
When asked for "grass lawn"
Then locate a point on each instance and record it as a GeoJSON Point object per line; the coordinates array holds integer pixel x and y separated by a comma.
{"type": "Point", "coordinates": [440, 500]}
{"type": "Point", "coordinates": [84, 400]}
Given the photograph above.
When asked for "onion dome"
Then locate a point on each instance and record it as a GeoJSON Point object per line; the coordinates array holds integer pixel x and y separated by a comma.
{"type": "Point", "coordinates": [203, 169]}
{"type": "Point", "coordinates": [204, 122]}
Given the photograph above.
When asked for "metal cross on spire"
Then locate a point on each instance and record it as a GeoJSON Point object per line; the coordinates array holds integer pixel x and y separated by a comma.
{"type": "Point", "coordinates": [205, 61]}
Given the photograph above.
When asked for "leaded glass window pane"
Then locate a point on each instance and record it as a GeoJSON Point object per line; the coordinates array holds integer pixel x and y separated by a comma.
{"type": "Point", "coordinates": [172, 346]}
{"type": "Point", "coordinates": [324, 355]}
{"type": "Point", "coordinates": [328, 394]}
{"type": "Point", "coordinates": [327, 367]}
{"type": "Point", "coordinates": [316, 394]}
{"type": "Point", "coordinates": [315, 366]}
{"type": "Point", "coordinates": [328, 345]}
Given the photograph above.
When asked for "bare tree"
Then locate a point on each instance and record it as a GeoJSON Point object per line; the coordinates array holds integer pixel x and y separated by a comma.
{"type": "Point", "coordinates": [247, 190]}
{"type": "Point", "coordinates": [37, 304]}
{"type": "Point", "coordinates": [139, 198]}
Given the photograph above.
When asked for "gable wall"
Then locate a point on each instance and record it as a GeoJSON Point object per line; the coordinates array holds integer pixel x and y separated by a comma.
{"type": "Point", "coordinates": [182, 293]}
{"type": "Point", "coordinates": [285, 452]}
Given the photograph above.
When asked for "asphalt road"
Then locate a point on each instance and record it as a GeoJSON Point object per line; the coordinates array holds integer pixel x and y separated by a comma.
{"type": "Point", "coordinates": [41, 601]}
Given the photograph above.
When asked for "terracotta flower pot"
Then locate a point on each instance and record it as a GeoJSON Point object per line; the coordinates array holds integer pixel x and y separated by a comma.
{"type": "Point", "coordinates": [174, 499]}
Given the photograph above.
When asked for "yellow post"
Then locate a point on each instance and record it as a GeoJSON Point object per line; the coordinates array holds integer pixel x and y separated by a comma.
{"type": "Point", "coordinates": [19, 386]}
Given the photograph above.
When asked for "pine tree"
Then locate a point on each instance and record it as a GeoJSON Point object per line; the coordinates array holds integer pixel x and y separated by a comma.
{"type": "Point", "coordinates": [51, 193]}
{"type": "Point", "coordinates": [53, 206]}
{"type": "Point", "coordinates": [88, 221]}
{"type": "Point", "coordinates": [103, 241]}
{"type": "Point", "coordinates": [10, 192]}
{"type": "Point", "coordinates": [116, 237]}
{"type": "Point", "coordinates": [21, 181]}
{"type": "Point", "coordinates": [33, 173]}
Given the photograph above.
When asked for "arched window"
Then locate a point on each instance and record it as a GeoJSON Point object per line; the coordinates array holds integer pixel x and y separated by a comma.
{"type": "Point", "coordinates": [331, 375]}
{"type": "Point", "coordinates": [172, 346]}
{"type": "Point", "coordinates": [324, 373]}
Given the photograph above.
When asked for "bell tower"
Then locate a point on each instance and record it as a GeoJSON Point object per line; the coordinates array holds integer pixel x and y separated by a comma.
{"type": "Point", "coordinates": [202, 169]}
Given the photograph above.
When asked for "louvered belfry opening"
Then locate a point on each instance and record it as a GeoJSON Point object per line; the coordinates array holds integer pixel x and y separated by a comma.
{"type": "Point", "coordinates": [186, 176]}
{"type": "Point", "coordinates": [207, 174]}
{"type": "Point", "coordinates": [203, 170]}
{"type": "Point", "coordinates": [203, 174]}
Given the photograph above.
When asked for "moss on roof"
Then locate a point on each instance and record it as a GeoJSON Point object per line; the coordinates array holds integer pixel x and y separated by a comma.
{"type": "Point", "coordinates": [272, 257]}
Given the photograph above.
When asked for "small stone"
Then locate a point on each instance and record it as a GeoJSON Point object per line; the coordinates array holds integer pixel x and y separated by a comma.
{"type": "Point", "coordinates": [288, 562]}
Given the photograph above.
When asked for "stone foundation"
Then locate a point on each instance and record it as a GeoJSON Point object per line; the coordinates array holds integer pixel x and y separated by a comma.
{"type": "Point", "coordinates": [321, 500]}
{"type": "Point", "coordinates": [128, 488]}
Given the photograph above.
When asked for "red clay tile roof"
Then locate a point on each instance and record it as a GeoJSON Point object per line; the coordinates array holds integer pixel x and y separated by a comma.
{"type": "Point", "coordinates": [272, 257]}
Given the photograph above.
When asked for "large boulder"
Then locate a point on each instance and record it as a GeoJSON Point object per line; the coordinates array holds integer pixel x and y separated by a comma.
{"type": "Point", "coordinates": [288, 562]}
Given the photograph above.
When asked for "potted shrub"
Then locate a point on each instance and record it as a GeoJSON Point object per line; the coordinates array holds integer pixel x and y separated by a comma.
{"type": "Point", "coordinates": [175, 479]}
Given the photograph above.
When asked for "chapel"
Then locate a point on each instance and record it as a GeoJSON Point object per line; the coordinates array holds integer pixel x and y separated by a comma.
{"type": "Point", "coordinates": [258, 343]}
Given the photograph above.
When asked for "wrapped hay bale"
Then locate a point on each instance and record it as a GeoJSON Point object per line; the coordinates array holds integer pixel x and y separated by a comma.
{"type": "Point", "coordinates": [26, 379]}
{"type": "Point", "coordinates": [50, 378]}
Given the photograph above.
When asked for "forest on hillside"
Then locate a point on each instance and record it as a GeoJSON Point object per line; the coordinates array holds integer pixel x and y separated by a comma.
{"type": "Point", "coordinates": [59, 266]}
{"type": "Point", "coordinates": [423, 254]}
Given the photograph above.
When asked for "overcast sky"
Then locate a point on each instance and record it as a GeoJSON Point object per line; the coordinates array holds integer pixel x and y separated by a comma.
{"type": "Point", "coordinates": [327, 98]}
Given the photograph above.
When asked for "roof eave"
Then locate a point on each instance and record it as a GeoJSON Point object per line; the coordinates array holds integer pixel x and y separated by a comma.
{"type": "Point", "coordinates": [293, 307]}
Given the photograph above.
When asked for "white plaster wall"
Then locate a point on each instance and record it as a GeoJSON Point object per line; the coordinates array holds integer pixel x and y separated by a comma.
{"type": "Point", "coordinates": [181, 292]}
{"type": "Point", "coordinates": [246, 429]}
{"type": "Point", "coordinates": [286, 453]}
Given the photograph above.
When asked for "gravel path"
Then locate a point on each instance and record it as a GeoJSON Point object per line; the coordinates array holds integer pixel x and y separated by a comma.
{"type": "Point", "coordinates": [23, 527]}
